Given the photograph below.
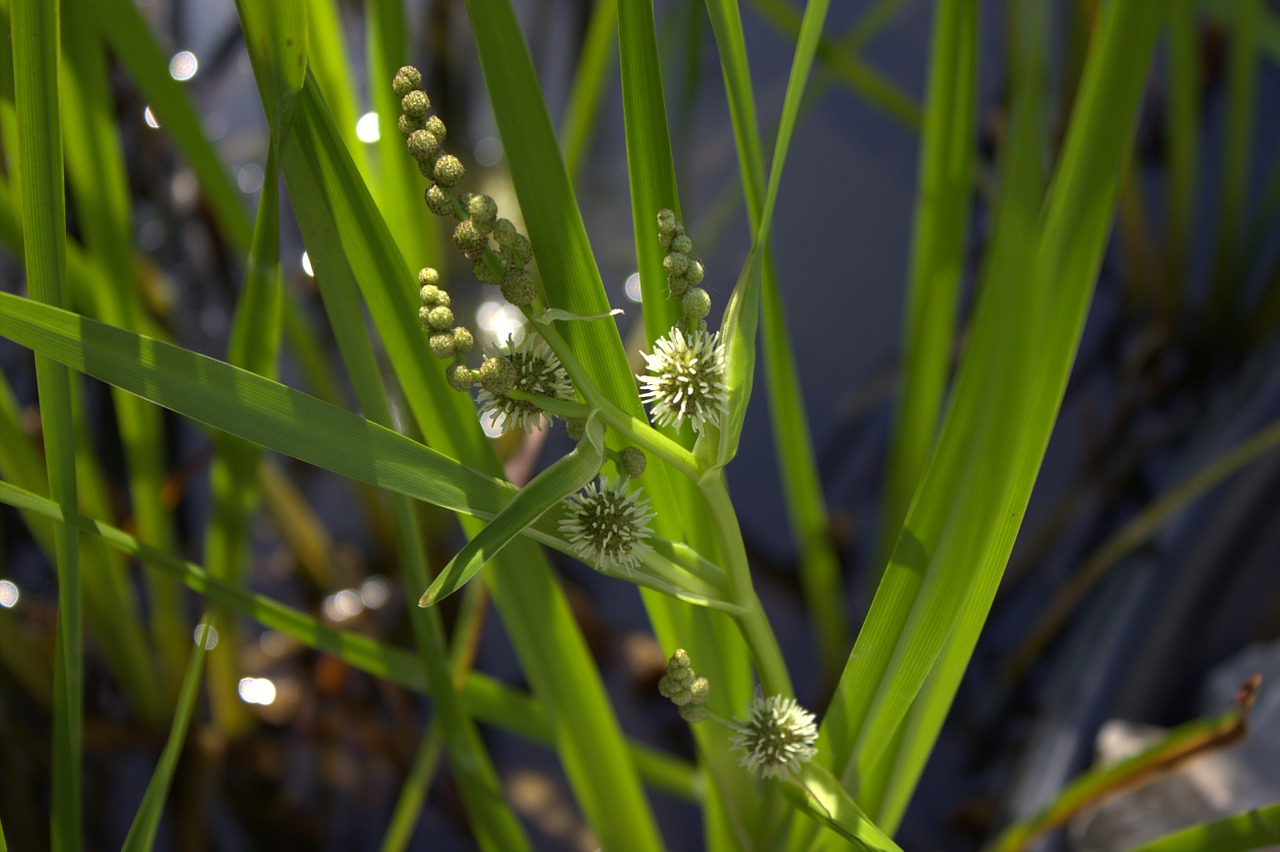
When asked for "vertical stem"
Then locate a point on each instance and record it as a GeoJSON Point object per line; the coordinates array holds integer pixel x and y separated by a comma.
{"type": "Point", "coordinates": [755, 628]}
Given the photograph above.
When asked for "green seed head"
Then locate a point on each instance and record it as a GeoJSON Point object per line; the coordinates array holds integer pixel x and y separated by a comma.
{"type": "Point", "coordinates": [439, 200]}
{"type": "Point", "coordinates": [482, 209]}
{"type": "Point", "coordinates": [415, 104]}
{"type": "Point", "coordinates": [428, 275]}
{"type": "Point", "coordinates": [422, 145]}
{"type": "Point", "coordinates": [406, 80]}
{"type": "Point", "coordinates": [498, 375]}
{"type": "Point", "coordinates": [460, 377]}
{"type": "Point", "coordinates": [442, 344]}
{"type": "Point", "coordinates": [697, 303]}
{"type": "Point", "coordinates": [433, 296]}
{"type": "Point", "coordinates": [518, 287]}
{"type": "Point", "coordinates": [693, 273]}
{"type": "Point", "coordinates": [462, 341]}
{"type": "Point", "coordinates": [440, 319]}
{"type": "Point", "coordinates": [632, 461]}
{"type": "Point", "coordinates": [468, 239]}
{"type": "Point", "coordinates": [408, 125]}
{"type": "Point", "coordinates": [485, 273]}
{"type": "Point", "coordinates": [449, 170]}
{"type": "Point", "coordinates": [435, 125]}
{"type": "Point", "coordinates": [682, 244]}
{"type": "Point", "coordinates": [675, 263]}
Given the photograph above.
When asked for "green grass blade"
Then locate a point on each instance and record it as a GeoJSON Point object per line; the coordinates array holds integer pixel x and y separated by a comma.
{"type": "Point", "coordinates": [142, 834]}
{"type": "Point", "coordinates": [806, 510]}
{"type": "Point", "coordinates": [820, 797]}
{"type": "Point", "coordinates": [947, 153]}
{"type": "Point", "coordinates": [843, 61]}
{"type": "Point", "coordinates": [101, 194]}
{"type": "Point", "coordinates": [254, 345]}
{"type": "Point", "coordinates": [961, 528]}
{"type": "Point", "coordinates": [652, 179]}
{"type": "Point", "coordinates": [594, 64]}
{"type": "Point", "coordinates": [560, 479]}
{"type": "Point", "coordinates": [252, 407]}
{"type": "Point", "coordinates": [397, 188]}
{"type": "Point", "coordinates": [741, 317]}
{"type": "Point", "coordinates": [487, 699]}
{"type": "Point", "coordinates": [649, 165]}
{"type": "Point", "coordinates": [328, 62]}
{"type": "Point", "coordinates": [35, 25]}
{"type": "Point", "coordinates": [132, 44]}
{"type": "Point", "coordinates": [1242, 87]}
{"type": "Point", "coordinates": [413, 795]}
{"type": "Point", "coordinates": [1183, 135]}
{"type": "Point", "coordinates": [1253, 829]}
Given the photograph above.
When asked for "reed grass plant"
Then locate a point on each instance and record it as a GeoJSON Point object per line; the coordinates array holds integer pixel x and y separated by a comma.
{"type": "Point", "coordinates": [398, 231]}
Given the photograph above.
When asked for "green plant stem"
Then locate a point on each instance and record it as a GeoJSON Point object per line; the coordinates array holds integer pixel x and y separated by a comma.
{"type": "Point", "coordinates": [753, 623]}
{"type": "Point", "coordinates": [631, 428]}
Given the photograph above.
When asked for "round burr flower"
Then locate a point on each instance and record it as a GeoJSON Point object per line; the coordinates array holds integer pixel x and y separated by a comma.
{"type": "Point", "coordinates": [776, 736]}
{"type": "Point", "coordinates": [685, 379]}
{"type": "Point", "coordinates": [537, 370]}
{"type": "Point", "coordinates": [607, 526]}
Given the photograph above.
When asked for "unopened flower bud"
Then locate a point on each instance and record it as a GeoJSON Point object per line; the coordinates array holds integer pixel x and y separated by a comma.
{"type": "Point", "coordinates": [422, 145]}
{"type": "Point", "coordinates": [462, 341]}
{"type": "Point", "coordinates": [460, 377]}
{"type": "Point", "coordinates": [632, 461]}
{"type": "Point", "coordinates": [498, 375]}
{"type": "Point", "coordinates": [435, 126]}
{"type": "Point", "coordinates": [406, 80]}
{"type": "Point", "coordinates": [440, 319]}
{"type": "Point", "coordinates": [576, 427]}
{"type": "Point", "coordinates": [408, 125]}
{"type": "Point", "coordinates": [468, 238]}
{"type": "Point", "coordinates": [439, 200]}
{"type": "Point", "coordinates": [697, 303]}
{"type": "Point", "coordinates": [485, 273]}
{"type": "Point", "coordinates": [518, 287]}
{"type": "Point", "coordinates": [431, 296]}
{"type": "Point", "coordinates": [675, 263]}
{"type": "Point", "coordinates": [415, 104]}
{"type": "Point", "coordinates": [693, 272]}
{"type": "Point", "coordinates": [449, 170]}
{"type": "Point", "coordinates": [682, 244]}
{"type": "Point", "coordinates": [442, 344]}
{"type": "Point", "coordinates": [482, 209]}
{"type": "Point", "coordinates": [428, 275]}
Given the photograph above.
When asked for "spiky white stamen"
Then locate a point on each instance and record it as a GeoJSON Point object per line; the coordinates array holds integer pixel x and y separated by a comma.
{"type": "Point", "coordinates": [686, 379]}
{"type": "Point", "coordinates": [608, 526]}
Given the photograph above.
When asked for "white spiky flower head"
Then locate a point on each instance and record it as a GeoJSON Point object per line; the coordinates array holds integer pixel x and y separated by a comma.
{"type": "Point", "coordinates": [608, 526]}
{"type": "Point", "coordinates": [776, 736]}
{"type": "Point", "coordinates": [536, 370]}
{"type": "Point", "coordinates": [686, 379]}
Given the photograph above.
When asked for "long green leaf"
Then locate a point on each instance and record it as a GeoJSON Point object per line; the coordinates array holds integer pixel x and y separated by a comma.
{"type": "Point", "coordinates": [142, 834]}
{"type": "Point", "coordinates": [959, 533]}
{"type": "Point", "coordinates": [1255, 829]}
{"type": "Point", "coordinates": [254, 408]}
{"type": "Point", "coordinates": [547, 489]}
{"type": "Point", "coordinates": [36, 55]}
{"type": "Point", "coordinates": [131, 42]}
{"type": "Point", "coordinates": [947, 152]}
{"type": "Point", "coordinates": [100, 190]}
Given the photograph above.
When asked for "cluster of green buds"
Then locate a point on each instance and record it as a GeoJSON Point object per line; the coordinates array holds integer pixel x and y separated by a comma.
{"type": "Point", "coordinates": [499, 254]}
{"type": "Point", "coordinates": [685, 688]}
{"type": "Point", "coordinates": [775, 734]}
{"type": "Point", "coordinates": [685, 377]}
{"type": "Point", "coordinates": [684, 273]}
{"type": "Point", "coordinates": [447, 341]}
